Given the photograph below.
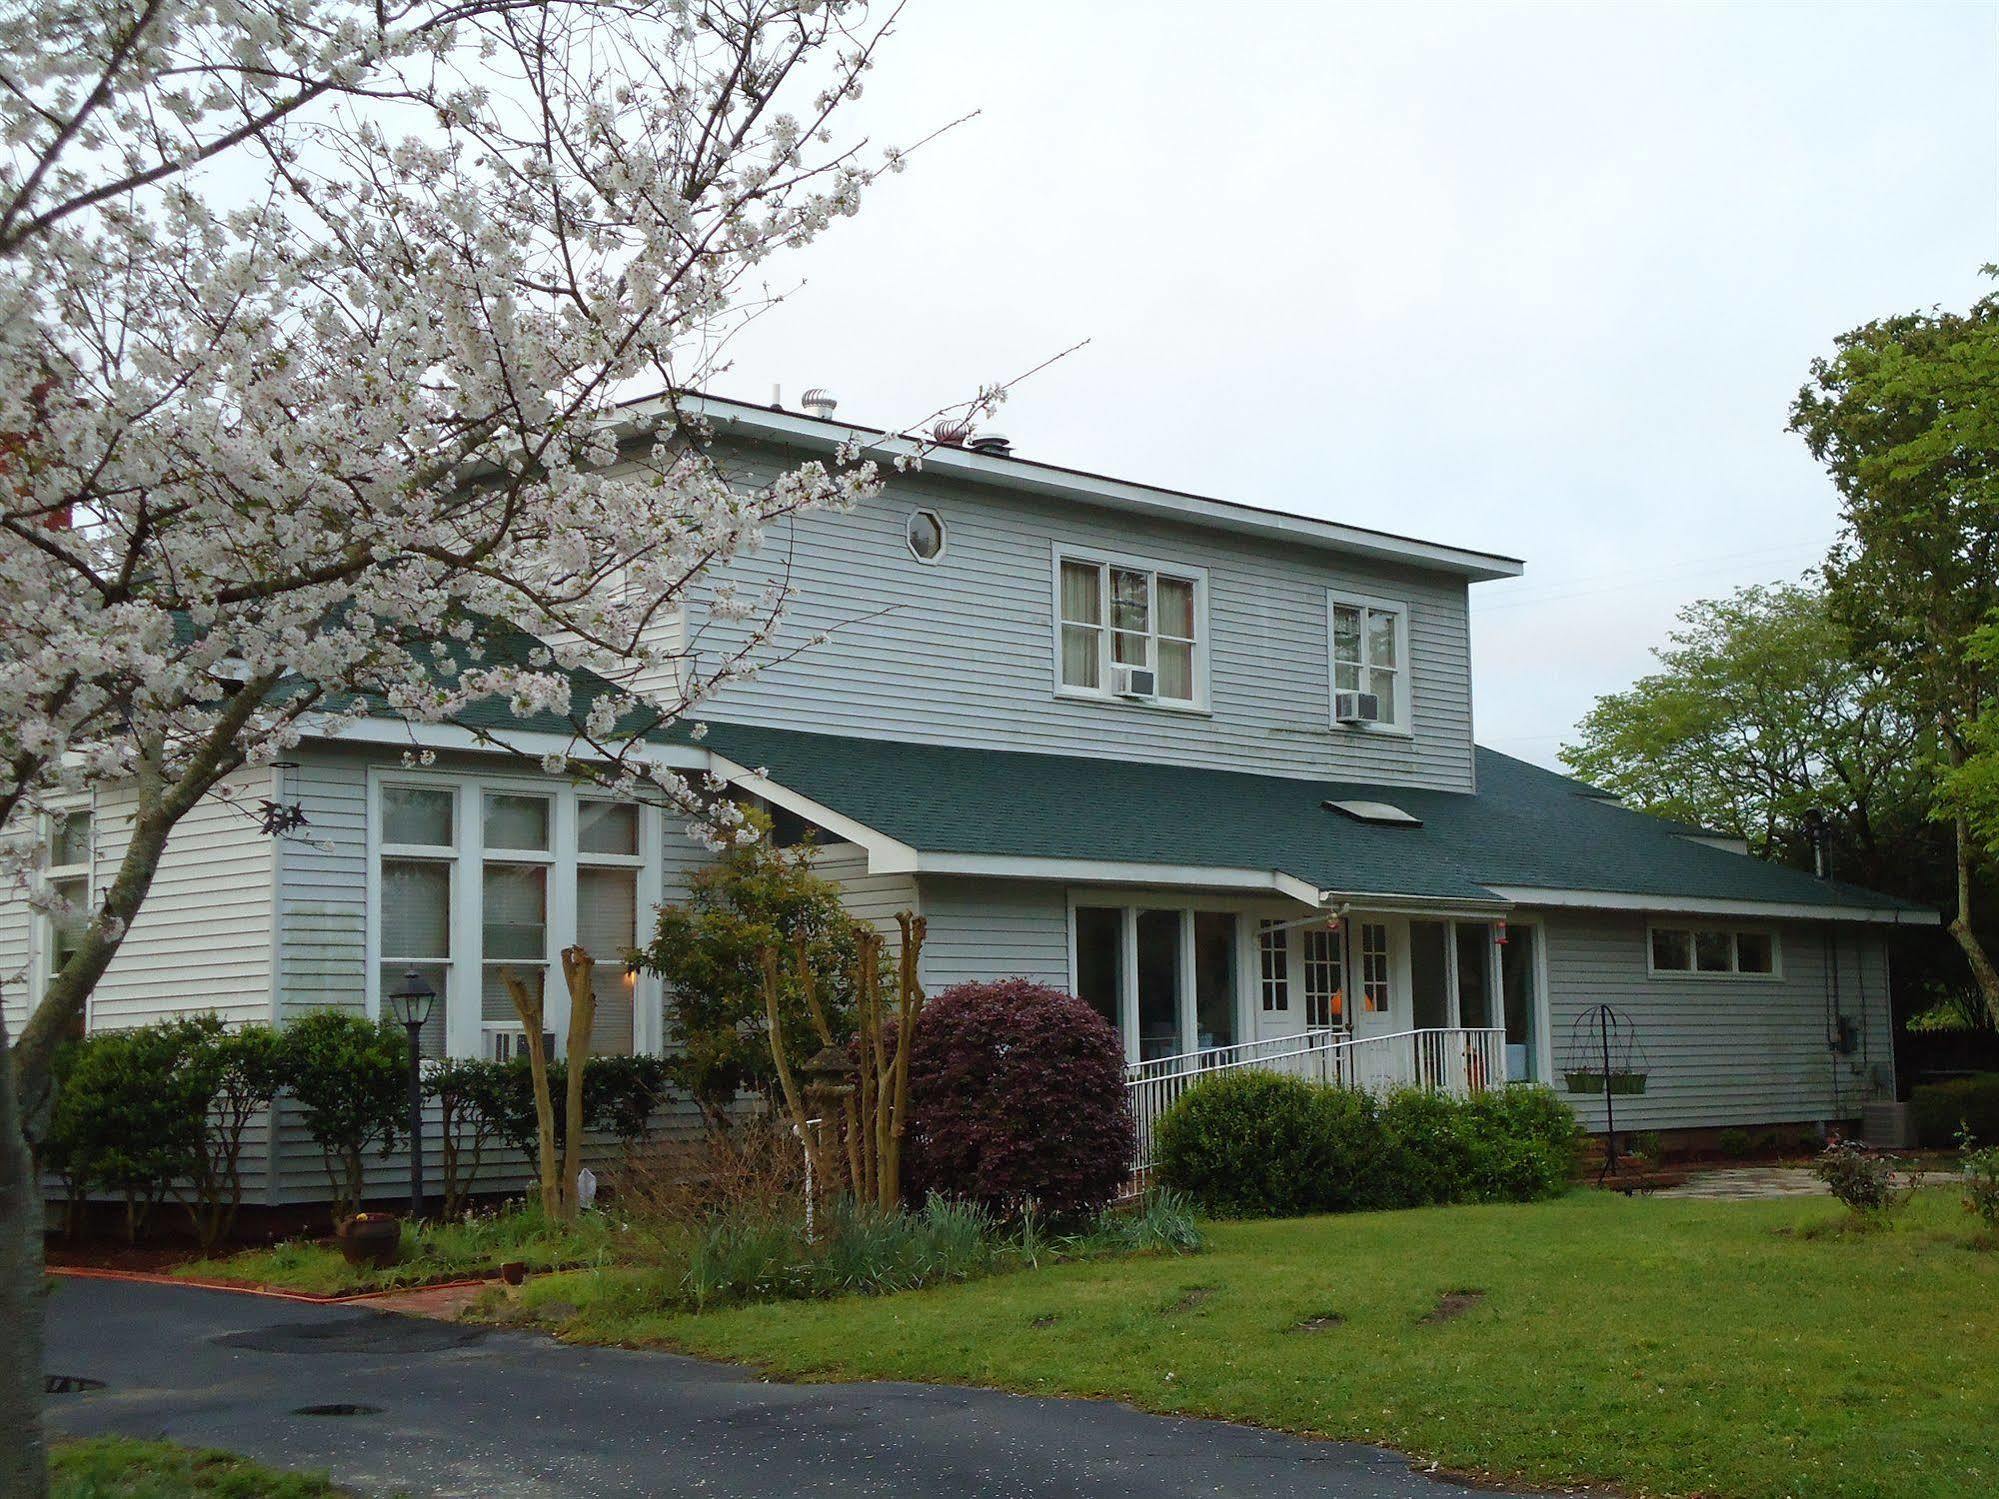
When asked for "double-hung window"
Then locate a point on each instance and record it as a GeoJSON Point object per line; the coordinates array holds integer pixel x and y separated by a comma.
{"type": "Point", "coordinates": [1116, 615]}
{"type": "Point", "coordinates": [419, 872]}
{"type": "Point", "coordinates": [1370, 653]}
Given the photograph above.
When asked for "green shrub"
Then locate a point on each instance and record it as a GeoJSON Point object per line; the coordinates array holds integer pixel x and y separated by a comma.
{"type": "Point", "coordinates": [1978, 1168]}
{"type": "Point", "coordinates": [1965, 1105]}
{"type": "Point", "coordinates": [130, 1116]}
{"type": "Point", "coordinates": [1251, 1143]}
{"type": "Point", "coordinates": [1734, 1143]}
{"type": "Point", "coordinates": [350, 1079]}
{"type": "Point", "coordinates": [1862, 1179]}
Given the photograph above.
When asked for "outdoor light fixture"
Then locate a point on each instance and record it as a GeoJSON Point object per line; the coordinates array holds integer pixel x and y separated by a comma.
{"type": "Point", "coordinates": [413, 1000]}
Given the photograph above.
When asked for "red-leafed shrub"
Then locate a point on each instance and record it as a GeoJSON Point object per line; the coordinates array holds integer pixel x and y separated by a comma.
{"type": "Point", "coordinates": [1016, 1094]}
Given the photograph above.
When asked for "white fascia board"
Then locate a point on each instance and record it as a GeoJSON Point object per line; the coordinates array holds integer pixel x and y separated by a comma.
{"type": "Point", "coordinates": [1031, 477]}
{"type": "Point", "coordinates": [886, 855]}
{"type": "Point", "coordinates": [1118, 872]}
{"type": "Point", "coordinates": [402, 733]}
{"type": "Point", "coordinates": [1391, 904]}
{"type": "Point", "coordinates": [1689, 905]}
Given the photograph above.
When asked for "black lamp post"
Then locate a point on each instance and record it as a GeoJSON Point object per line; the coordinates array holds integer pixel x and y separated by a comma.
{"type": "Point", "coordinates": [413, 1001]}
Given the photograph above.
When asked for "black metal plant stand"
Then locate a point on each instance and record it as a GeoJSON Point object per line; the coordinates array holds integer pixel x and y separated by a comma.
{"type": "Point", "coordinates": [1604, 1056]}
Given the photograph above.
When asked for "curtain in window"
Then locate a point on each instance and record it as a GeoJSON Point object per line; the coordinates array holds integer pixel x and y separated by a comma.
{"type": "Point", "coordinates": [607, 913]}
{"type": "Point", "coordinates": [1082, 624]}
{"type": "Point", "coordinates": [416, 933]}
{"type": "Point", "coordinates": [514, 913]}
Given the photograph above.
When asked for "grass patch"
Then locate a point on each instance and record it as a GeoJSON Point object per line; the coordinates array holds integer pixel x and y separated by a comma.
{"type": "Point", "coordinates": [431, 1252]}
{"type": "Point", "coordinates": [1671, 1347]}
{"type": "Point", "coordinates": [120, 1468]}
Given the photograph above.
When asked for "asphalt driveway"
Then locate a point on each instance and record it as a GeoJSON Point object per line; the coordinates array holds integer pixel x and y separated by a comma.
{"type": "Point", "coordinates": [449, 1410]}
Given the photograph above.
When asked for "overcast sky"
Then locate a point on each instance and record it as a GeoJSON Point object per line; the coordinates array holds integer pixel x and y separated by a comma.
{"type": "Point", "coordinates": [1538, 279]}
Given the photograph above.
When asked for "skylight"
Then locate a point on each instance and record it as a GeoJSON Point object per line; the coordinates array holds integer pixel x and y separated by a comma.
{"type": "Point", "coordinates": [1382, 813]}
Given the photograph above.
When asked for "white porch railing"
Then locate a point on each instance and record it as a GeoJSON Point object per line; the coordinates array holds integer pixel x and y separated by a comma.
{"type": "Point", "coordinates": [1458, 1061]}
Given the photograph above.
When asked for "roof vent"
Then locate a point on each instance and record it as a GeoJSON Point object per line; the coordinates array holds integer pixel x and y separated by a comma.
{"type": "Point", "coordinates": [819, 402]}
{"type": "Point", "coordinates": [1382, 814]}
{"type": "Point", "coordinates": [994, 444]}
{"type": "Point", "coordinates": [951, 432]}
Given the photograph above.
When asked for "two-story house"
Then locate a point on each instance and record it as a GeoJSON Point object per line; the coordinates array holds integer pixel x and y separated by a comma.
{"type": "Point", "coordinates": [1209, 766]}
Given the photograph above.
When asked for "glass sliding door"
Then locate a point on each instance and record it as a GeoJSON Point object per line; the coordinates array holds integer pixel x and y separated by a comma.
{"type": "Point", "coordinates": [1214, 979]}
{"type": "Point", "coordinates": [1159, 984]}
{"type": "Point", "coordinates": [1100, 959]}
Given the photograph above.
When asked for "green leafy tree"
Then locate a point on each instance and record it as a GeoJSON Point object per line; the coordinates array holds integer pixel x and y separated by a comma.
{"type": "Point", "coordinates": [1905, 417]}
{"type": "Point", "coordinates": [759, 895]}
{"type": "Point", "coordinates": [1759, 714]}
{"type": "Point", "coordinates": [349, 1078]}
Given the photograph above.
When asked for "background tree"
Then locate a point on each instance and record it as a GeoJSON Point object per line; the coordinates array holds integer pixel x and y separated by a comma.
{"type": "Point", "coordinates": [709, 951]}
{"type": "Point", "coordinates": [1905, 417]}
{"type": "Point", "coordinates": [1759, 714]}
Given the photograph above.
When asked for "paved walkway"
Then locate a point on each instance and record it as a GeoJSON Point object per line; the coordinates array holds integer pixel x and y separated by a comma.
{"type": "Point", "coordinates": [463, 1411]}
{"type": "Point", "coordinates": [1747, 1183]}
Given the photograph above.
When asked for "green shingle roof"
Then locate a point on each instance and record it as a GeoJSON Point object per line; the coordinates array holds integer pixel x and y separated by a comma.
{"type": "Point", "coordinates": [1524, 827]}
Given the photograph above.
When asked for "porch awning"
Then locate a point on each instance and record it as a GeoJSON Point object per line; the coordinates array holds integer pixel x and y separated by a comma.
{"type": "Point", "coordinates": [1527, 835]}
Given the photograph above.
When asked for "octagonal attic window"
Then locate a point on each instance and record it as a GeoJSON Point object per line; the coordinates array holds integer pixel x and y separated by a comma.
{"type": "Point", "coordinates": [925, 535]}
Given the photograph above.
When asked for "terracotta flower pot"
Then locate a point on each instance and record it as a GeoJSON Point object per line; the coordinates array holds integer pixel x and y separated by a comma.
{"type": "Point", "coordinates": [513, 1272]}
{"type": "Point", "coordinates": [371, 1240]}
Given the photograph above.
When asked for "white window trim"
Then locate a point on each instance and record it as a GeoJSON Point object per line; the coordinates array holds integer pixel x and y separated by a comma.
{"type": "Point", "coordinates": [1399, 608]}
{"type": "Point", "coordinates": [1106, 558]}
{"type": "Point", "coordinates": [1707, 975]}
{"type": "Point", "coordinates": [465, 1035]}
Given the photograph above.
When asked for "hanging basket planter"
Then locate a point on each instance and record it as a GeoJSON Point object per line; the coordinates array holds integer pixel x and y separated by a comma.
{"type": "Point", "coordinates": [1621, 1083]}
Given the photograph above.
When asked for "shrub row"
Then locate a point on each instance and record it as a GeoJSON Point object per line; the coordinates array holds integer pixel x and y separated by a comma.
{"type": "Point", "coordinates": [1254, 1144]}
{"type": "Point", "coordinates": [162, 1110]}
{"type": "Point", "coordinates": [1968, 1104]}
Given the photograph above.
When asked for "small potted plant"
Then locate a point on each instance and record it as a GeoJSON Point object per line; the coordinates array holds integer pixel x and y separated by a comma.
{"type": "Point", "coordinates": [370, 1240]}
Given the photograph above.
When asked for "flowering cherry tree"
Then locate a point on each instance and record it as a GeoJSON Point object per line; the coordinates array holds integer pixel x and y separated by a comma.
{"type": "Point", "coordinates": [319, 324]}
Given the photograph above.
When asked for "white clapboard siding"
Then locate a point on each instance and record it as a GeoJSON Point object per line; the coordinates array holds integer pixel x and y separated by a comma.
{"type": "Point", "coordinates": [994, 929]}
{"type": "Point", "coordinates": [1725, 1051]}
{"type": "Point", "coordinates": [874, 898]}
{"type": "Point", "coordinates": [202, 941]}
{"type": "Point", "coordinates": [959, 651]}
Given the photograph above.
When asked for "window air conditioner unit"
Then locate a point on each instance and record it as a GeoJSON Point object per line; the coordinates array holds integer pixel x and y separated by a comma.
{"type": "Point", "coordinates": [505, 1046]}
{"type": "Point", "coordinates": [1356, 707]}
{"type": "Point", "coordinates": [1135, 681]}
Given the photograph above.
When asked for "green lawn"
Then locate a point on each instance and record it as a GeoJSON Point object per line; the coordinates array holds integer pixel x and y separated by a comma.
{"type": "Point", "coordinates": [1670, 1347]}
{"type": "Point", "coordinates": [435, 1252]}
{"type": "Point", "coordinates": [118, 1468]}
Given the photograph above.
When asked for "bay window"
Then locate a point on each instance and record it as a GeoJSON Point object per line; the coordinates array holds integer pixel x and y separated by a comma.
{"type": "Point", "coordinates": [1115, 614]}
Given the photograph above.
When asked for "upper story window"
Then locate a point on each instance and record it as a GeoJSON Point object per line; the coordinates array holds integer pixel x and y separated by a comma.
{"type": "Point", "coordinates": [1129, 628]}
{"type": "Point", "coordinates": [1370, 652]}
{"type": "Point", "coordinates": [924, 534]}
{"type": "Point", "coordinates": [1714, 951]}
